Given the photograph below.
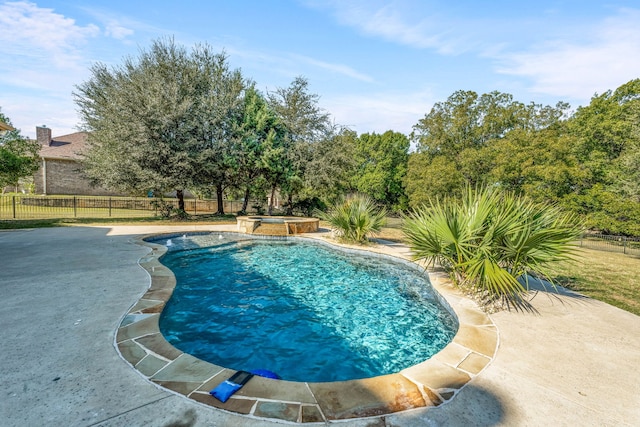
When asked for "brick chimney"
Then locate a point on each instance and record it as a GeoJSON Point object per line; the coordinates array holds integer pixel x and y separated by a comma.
{"type": "Point", "coordinates": [43, 135]}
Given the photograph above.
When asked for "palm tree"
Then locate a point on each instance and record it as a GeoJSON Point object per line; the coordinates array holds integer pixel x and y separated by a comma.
{"type": "Point", "coordinates": [355, 218]}
{"type": "Point", "coordinates": [490, 241]}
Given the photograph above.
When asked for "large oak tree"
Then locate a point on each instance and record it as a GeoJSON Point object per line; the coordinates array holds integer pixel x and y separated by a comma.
{"type": "Point", "coordinates": [163, 120]}
{"type": "Point", "coordinates": [305, 124]}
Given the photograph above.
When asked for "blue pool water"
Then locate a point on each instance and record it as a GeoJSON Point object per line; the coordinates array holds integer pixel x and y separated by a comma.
{"type": "Point", "coordinates": [303, 310]}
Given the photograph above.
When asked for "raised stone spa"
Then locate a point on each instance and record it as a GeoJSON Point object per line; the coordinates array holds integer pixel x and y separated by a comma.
{"type": "Point", "coordinates": [277, 225]}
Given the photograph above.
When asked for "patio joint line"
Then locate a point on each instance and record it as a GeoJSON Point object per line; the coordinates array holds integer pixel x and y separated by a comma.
{"type": "Point", "coordinates": [128, 411]}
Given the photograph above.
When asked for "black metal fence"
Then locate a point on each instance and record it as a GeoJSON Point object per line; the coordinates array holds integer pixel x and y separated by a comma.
{"type": "Point", "coordinates": [604, 242]}
{"type": "Point", "coordinates": [48, 207]}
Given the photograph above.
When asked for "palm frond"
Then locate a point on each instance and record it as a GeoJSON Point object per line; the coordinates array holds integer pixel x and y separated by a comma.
{"type": "Point", "coordinates": [354, 219]}
{"type": "Point", "coordinates": [488, 240]}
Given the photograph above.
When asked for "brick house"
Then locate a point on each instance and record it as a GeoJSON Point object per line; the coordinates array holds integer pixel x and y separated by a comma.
{"type": "Point", "coordinates": [61, 171]}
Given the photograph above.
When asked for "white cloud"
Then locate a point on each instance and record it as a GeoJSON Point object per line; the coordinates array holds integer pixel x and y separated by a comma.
{"type": "Point", "coordinates": [43, 51]}
{"type": "Point", "coordinates": [290, 65]}
{"type": "Point", "coordinates": [44, 54]}
{"type": "Point", "coordinates": [30, 31]}
{"type": "Point", "coordinates": [29, 111]}
{"type": "Point", "coordinates": [335, 68]}
{"type": "Point", "coordinates": [607, 57]}
{"type": "Point", "coordinates": [389, 24]}
{"type": "Point", "coordinates": [117, 31]}
{"type": "Point", "coordinates": [380, 112]}
{"type": "Point", "coordinates": [414, 24]}
{"type": "Point", "coordinates": [122, 27]}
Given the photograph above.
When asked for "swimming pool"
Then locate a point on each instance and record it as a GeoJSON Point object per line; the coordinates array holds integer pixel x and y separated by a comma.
{"type": "Point", "coordinates": [430, 383]}
{"type": "Point", "coordinates": [304, 310]}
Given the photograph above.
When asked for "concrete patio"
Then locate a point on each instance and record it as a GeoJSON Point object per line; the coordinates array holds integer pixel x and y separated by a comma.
{"type": "Point", "coordinates": [65, 290]}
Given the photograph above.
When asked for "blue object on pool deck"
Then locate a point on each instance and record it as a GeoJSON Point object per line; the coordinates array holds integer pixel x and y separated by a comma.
{"type": "Point", "coordinates": [229, 386]}
{"type": "Point", "coordinates": [265, 373]}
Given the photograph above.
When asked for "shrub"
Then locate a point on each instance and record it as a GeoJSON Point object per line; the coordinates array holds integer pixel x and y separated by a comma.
{"type": "Point", "coordinates": [489, 241]}
{"type": "Point", "coordinates": [167, 209]}
{"type": "Point", "coordinates": [355, 218]}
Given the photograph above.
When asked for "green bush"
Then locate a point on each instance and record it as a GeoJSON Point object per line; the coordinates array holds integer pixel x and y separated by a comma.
{"type": "Point", "coordinates": [168, 210]}
{"type": "Point", "coordinates": [488, 240]}
{"type": "Point", "coordinates": [355, 218]}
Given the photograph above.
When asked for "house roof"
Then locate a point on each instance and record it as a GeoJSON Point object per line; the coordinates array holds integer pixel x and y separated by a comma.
{"type": "Point", "coordinates": [66, 147]}
{"type": "Point", "coordinates": [4, 126]}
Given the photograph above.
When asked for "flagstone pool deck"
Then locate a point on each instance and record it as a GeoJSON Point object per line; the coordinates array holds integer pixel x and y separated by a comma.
{"type": "Point", "coordinates": [80, 346]}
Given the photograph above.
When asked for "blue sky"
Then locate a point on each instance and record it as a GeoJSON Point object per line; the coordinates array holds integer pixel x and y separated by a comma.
{"type": "Point", "coordinates": [376, 65]}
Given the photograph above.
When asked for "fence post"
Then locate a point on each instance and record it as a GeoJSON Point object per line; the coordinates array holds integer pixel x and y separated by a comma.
{"type": "Point", "coordinates": [75, 207]}
{"type": "Point", "coordinates": [195, 206]}
{"type": "Point", "coordinates": [109, 206]}
{"type": "Point", "coordinates": [13, 202]}
{"type": "Point", "coordinates": [624, 245]}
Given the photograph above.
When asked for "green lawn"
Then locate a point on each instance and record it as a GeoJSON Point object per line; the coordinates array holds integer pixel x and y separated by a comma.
{"type": "Point", "coordinates": [606, 276]}
{"type": "Point", "coordinates": [65, 222]}
{"type": "Point", "coordinates": [28, 207]}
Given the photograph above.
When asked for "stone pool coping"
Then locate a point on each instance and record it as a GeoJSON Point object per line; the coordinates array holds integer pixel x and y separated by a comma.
{"type": "Point", "coordinates": [428, 384]}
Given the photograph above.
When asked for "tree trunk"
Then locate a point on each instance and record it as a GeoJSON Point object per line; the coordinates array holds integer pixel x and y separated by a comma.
{"type": "Point", "coordinates": [245, 202]}
{"type": "Point", "coordinates": [180, 196]}
{"type": "Point", "coordinates": [273, 192]}
{"type": "Point", "coordinates": [219, 198]}
{"type": "Point", "coordinates": [290, 204]}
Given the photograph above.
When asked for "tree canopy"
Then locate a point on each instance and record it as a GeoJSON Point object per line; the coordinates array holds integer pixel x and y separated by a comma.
{"type": "Point", "coordinates": [587, 162]}
{"type": "Point", "coordinates": [306, 124]}
{"type": "Point", "coordinates": [173, 119]}
{"type": "Point", "coordinates": [18, 156]}
{"type": "Point", "coordinates": [164, 120]}
{"type": "Point", "coordinates": [381, 168]}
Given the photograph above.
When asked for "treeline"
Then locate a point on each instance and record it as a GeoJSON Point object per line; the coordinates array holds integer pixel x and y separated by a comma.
{"type": "Point", "coordinates": [588, 161]}
{"type": "Point", "coordinates": [177, 119]}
